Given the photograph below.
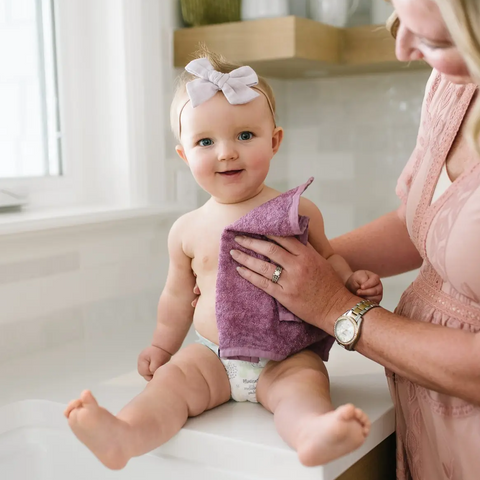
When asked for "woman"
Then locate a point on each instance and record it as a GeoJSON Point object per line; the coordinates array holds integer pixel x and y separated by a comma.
{"type": "Point", "coordinates": [431, 345]}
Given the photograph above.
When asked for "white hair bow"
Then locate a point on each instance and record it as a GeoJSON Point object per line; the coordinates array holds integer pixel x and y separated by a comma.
{"type": "Point", "coordinates": [234, 85]}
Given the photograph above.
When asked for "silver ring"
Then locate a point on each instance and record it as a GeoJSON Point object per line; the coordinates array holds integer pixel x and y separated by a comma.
{"type": "Point", "coordinates": [276, 274]}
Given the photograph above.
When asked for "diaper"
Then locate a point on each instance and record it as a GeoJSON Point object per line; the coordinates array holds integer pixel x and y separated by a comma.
{"type": "Point", "coordinates": [243, 376]}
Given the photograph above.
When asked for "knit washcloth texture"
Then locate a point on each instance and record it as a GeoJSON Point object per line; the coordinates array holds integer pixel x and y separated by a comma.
{"type": "Point", "coordinates": [251, 323]}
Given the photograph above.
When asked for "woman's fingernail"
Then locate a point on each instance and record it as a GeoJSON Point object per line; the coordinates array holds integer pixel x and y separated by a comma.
{"type": "Point", "coordinates": [240, 270]}
{"type": "Point", "coordinates": [234, 253]}
{"type": "Point", "coordinates": [239, 239]}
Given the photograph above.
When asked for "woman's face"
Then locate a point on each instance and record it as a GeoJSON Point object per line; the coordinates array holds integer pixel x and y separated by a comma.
{"type": "Point", "coordinates": [423, 35]}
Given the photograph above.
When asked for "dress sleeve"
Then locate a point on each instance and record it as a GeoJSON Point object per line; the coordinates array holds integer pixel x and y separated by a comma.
{"type": "Point", "coordinates": [408, 174]}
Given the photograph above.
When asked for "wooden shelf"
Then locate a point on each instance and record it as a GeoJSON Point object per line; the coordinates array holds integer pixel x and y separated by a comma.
{"type": "Point", "coordinates": [293, 47]}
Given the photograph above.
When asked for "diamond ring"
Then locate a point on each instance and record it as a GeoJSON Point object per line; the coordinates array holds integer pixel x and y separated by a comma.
{"type": "Point", "coordinates": [276, 274]}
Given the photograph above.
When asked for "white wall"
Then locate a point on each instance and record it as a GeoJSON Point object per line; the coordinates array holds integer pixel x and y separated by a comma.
{"type": "Point", "coordinates": [60, 286]}
{"type": "Point", "coordinates": [354, 135]}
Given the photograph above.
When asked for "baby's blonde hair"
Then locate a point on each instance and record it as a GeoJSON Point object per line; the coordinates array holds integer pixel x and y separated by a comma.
{"type": "Point", "coordinates": [222, 65]}
{"type": "Point", "coordinates": [462, 18]}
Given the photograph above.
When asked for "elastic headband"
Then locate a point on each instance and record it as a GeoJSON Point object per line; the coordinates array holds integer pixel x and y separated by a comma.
{"type": "Point", "coordinates": [238, 86]}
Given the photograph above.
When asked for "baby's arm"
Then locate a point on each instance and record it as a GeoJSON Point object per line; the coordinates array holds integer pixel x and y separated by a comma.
{"type": "Point", "coordinates": [363, 283]}
{"type": "Point", "coordinates": [319, 241]}
{"type": "Point", "coordinates": [175, 312]}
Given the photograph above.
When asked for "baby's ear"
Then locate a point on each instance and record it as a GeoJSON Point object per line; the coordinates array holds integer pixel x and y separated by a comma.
{"type": "Point", "coordinates": [181, 153]}
{"type": "Point", "coordinates": [277, 138]}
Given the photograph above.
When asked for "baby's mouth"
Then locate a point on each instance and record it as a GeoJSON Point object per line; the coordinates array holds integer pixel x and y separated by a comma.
{"type": "Point", "coordinates": [230, 172]}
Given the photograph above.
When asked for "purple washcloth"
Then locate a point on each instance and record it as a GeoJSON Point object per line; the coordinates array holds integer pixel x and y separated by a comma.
{"type": "Point", "coordinates": [251, 323]}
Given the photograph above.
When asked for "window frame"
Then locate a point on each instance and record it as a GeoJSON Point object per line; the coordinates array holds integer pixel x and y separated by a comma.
{"type": "Point", "coordinates": [113, 113]}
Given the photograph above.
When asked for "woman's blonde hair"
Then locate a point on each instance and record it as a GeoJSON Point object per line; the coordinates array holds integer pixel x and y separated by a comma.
{"type": "Point", "coordinates": [462, 18]}
{"type": "Point", "coordinates": [222, 65]}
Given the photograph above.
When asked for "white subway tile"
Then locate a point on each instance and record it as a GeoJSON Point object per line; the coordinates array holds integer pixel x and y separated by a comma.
{"type": "Point", "coordinates": [24, 337]}
{"type": "Point", "coordinates": [354, 134]}
{"type": "Point", "coordinates": [38, 267]}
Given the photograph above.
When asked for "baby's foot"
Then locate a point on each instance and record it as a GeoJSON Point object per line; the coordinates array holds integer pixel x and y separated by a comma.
{"type": "Point", "coordinates": [332, 435]}
{"type": "Point", "coordinates": [99, 430]}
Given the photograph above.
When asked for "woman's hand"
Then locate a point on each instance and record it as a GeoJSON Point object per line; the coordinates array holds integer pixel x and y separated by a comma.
{"type": "Point", "coordinates": [196, 291]}
{"type": "Point", "coordinates": [308, 285]}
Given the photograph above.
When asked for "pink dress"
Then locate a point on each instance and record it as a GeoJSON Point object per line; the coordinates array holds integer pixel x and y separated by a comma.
{"type": "Point", "coordinates": [438, 436]}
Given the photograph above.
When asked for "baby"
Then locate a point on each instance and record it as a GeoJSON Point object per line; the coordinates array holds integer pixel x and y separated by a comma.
{"type": "Point", "coordinates": [227, 134]}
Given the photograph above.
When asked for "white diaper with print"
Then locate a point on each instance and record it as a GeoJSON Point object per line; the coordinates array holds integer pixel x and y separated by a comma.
{"type": "Point", "coordinates": [243, 376]}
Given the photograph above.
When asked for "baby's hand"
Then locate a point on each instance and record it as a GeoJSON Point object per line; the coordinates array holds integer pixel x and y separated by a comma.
{"type": "Point", "coordinates": [366, 284]}
{"type": "Point", "coordinates": [150, 360]}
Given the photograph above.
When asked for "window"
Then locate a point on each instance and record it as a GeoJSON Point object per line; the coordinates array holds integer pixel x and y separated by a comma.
{"type": "Point", "coordinates": [29, 120]}
{"type": "Point", "coordinates": [109, 64]}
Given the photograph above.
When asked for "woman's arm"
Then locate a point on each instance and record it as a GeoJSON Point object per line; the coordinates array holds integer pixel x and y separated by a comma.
{"type": "Point", "coordinates": [439, 358]}
{"type": "Point", "coordinates": [436, 357]}
{"type": "Point", "coordinates": [383, 246]}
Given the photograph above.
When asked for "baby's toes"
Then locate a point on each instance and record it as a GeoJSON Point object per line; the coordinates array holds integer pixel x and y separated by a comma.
{"type": "Point", "coordinates": [360, 415]}
{"type": "Point", "coordinates": [88, 400]}
{"type": "Point", "coordinates": [346, 412]}
{"type": "Point", "coordinates": [74, 417]}
{"type": "Point", "coordinates": [362, 418]}
{"type": "Point", "coordinates": [72, 406]}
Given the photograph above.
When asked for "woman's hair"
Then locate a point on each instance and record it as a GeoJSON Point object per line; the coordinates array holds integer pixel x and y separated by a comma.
{"type": "Point", "coordinates": [393, 22]}
{"type": "Point", "coordinates": [462, 18]}
{"type": "Point", "coordinates": [222, 65]}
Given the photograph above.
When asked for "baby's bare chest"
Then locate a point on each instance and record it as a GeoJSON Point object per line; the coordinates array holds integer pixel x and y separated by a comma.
{"type": "Point", "coordinates": [205, 248]}
{"type": "Point", "coordinates": [205, 260]}
{"type": "Point", "coordinates": [205, 234]}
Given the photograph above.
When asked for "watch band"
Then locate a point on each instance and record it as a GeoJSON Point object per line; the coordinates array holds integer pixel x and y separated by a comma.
{"type": "Point", "coordinates": [361, 308]}
{"type": "Point", "coordinates": [356, 314]}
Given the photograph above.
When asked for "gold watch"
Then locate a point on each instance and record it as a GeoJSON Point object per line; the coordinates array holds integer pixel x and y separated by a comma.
{"type": "Point", "coordinates": [348, 327]}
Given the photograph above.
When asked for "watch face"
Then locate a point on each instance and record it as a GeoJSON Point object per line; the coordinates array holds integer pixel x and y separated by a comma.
{"type": "Point", "coordinates": [345, 330]}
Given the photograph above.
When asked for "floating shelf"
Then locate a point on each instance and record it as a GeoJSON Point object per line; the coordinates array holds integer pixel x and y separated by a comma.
{"type": "Point", "coordinates": [294, 47]}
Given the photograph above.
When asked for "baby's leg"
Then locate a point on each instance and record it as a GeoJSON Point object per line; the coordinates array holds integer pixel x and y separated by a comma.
{"type": "Point", "coordinates": [297, 392]}
{"type": "Point", "coordinates": [192, 382]}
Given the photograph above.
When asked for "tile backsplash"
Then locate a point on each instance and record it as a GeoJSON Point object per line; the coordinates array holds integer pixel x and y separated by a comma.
{"type": "Point", "coordinates": [79, 284]}
{"type": "Point", "coordinates": [354, 135]}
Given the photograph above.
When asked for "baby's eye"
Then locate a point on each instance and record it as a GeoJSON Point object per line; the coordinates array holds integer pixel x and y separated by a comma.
{"type": "Point", "coordinates": [245, 136]}
{"type": "Point", "coordinates": [205, 142]}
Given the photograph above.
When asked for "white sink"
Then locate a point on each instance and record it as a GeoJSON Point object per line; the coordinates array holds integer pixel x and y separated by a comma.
{"type": "Point", "coordinates": [36, 444]}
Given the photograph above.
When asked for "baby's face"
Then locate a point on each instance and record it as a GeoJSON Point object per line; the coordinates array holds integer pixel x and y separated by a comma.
{"type": "Point", "coordinates": [229, 147]}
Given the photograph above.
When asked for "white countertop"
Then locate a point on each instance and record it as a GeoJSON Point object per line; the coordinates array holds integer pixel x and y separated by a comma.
{"type": "Point", "coordinates": [107, 366]}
